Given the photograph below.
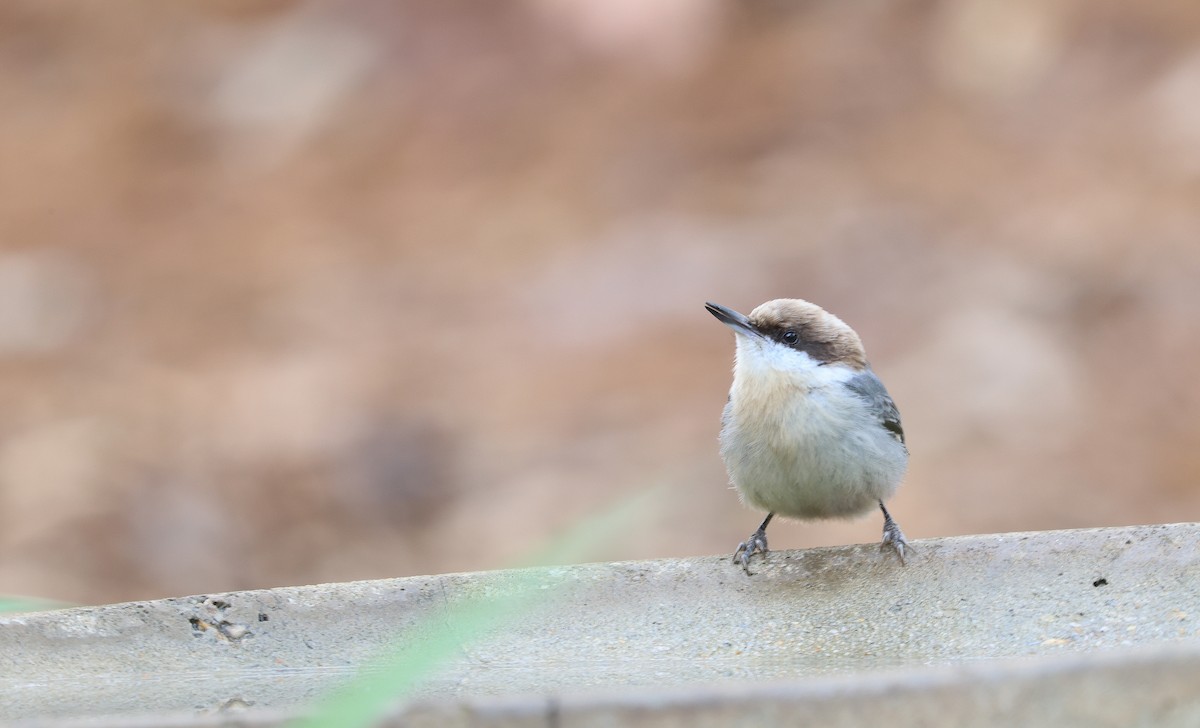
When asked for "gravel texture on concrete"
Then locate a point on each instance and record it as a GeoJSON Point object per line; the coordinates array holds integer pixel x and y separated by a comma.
{"type": "Point", "coordinates": [832, 629]}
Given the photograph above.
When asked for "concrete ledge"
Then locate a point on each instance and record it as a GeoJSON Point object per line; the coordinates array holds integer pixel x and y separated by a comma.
{"type": "Point", "coordinates": [1109, 617]}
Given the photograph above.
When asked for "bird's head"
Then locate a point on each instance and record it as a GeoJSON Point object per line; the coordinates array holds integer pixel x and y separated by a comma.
{"type": "Point", "coordinates": [790, 334]}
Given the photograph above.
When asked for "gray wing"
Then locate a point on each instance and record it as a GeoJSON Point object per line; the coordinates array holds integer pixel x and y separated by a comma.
{"type": "Point", "coordinates": [868, 386]}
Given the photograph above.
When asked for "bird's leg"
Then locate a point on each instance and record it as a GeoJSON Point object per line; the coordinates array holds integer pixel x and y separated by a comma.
{"type": "Point", "coordinates": [892, 535]}
{"type": "Point", "coordinates": [756, 543]}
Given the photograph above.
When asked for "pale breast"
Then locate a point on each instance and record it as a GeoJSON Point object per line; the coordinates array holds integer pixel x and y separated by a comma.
{"type": "Point", "coordinates": [808, 454]}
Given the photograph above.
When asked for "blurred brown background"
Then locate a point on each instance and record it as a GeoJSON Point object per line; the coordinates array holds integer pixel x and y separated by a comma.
{"type": "Point", "coordinates": [295, 292]}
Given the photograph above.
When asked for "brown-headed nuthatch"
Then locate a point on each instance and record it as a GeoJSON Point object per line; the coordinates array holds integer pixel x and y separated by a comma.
{"type": "Point", "coordinates": [809, 430]}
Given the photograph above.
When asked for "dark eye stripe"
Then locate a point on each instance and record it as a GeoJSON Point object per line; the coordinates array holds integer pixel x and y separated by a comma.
{"type": "Point", "coordinates": [822, 351]}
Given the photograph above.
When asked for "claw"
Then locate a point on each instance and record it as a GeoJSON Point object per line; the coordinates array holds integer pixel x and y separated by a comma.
{"type": "Point", "coordinates": [893, 537]}
{"type": "Point", "coordinates": [757, 543]}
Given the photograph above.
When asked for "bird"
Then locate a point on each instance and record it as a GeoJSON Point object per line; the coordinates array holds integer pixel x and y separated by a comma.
{"type": "Point", "coordinates": [809, 431]}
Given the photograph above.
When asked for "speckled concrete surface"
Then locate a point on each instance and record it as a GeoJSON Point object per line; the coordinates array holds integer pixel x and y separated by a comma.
{"type": "Point", "coordinates": [629, 629]}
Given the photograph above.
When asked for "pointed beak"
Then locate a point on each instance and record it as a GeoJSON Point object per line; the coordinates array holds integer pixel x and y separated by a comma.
{"type": "Point", "coordinates": [734, 320]}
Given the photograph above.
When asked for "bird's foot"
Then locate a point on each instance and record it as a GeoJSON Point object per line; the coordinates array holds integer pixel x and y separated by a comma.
{"type": "Point", "coordinates": [757, 543]}
{"type": "Point", "coordinates": [894, 539]}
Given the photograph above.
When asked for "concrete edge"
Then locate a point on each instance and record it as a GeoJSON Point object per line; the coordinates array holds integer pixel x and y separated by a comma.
{"type": "Point", "coordinates": [788, 554]}
{"type": "Point", "coordinates": [1154, 685]}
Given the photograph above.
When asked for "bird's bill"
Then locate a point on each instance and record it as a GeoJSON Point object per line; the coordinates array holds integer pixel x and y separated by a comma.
{"type": "Point", "coordinates": [734, 320]}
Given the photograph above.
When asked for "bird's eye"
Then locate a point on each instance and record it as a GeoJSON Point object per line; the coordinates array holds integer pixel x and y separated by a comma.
{"type": "Point", "coordinates": [790, 336]}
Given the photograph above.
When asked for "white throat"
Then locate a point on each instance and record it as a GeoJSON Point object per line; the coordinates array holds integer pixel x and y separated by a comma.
{"type": "Point", "coordinates": [758, 359]}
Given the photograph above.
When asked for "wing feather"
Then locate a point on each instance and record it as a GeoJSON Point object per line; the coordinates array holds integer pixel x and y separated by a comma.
{"type": "Point", "coordinates": [869, 387]}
